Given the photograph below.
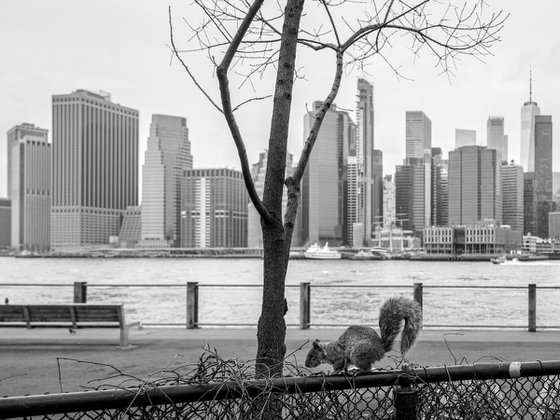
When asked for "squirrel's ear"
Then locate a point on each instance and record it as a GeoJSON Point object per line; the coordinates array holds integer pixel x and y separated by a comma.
{"type": "Point", "coordinates": [316, 344]}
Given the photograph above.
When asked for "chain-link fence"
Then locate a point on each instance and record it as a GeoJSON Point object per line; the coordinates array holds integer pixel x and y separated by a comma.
{"type": "Point", "coordinates": [528, 390]}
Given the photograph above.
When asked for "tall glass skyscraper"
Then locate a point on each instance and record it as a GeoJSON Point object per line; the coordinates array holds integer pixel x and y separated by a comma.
{"type": "Point", "coordinates": [329, 185]}
{"type": "Point", "coordinates": [94, 168]}
{"type": "Point", "coordinates": [418, 135]}
{"type": "Point", "coordinates": [419, 152]}
{"type": "Point", "coordinates": [464, 138]}
{"type": "Point", "coordinates": [495, 135]}
{"type": "Point", "coordinates": [543, 172]}
{"type": "Point", "coordinates": [168, 155]}
{"type": "Point", "coordinates": [512, 196]}
{"type": "Point", "coordinates": [529, 111]}
{"type": "Point", "coordinates": [369, 165]}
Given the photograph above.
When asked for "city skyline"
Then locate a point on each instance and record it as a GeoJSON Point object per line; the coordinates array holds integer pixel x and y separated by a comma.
{"type": "Point", "coordinates": [130, 59]}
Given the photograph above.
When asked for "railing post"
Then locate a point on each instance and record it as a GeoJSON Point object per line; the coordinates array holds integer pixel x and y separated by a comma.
{"type": "Point", "coordinates": [80, 292]}
{"type": "Point", "coordinates": [192, 305]}
{"type": "Point", "coordinates": [418, 294]}
{"type": "Point", "coordinates": [406, 397]}
{"type": "Point", "coordinates": [304, 305]}
{"type": "Point", "coordinates": [532, 307]}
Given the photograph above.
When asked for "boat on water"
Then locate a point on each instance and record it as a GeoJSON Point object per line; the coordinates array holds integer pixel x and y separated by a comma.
{"type": "Point", "coordinates": [366, 254]}
{"type": "Point", "coordinates": [315, 252]}
{"type": "Point", "coordinates": [498, 260]}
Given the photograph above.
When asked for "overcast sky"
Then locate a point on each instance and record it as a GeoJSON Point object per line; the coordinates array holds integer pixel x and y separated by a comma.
{"type": "Point", "coordinates": [56, 47]}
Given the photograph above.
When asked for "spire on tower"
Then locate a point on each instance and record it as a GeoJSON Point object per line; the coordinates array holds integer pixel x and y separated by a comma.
{"type": "Point", "coordinates": [530, 102]}
{"type": "Point", "coordinates": [530, 83]}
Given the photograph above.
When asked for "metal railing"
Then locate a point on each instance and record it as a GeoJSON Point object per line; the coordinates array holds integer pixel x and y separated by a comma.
{"type": "Point", "coordinates": [483, 391]}
{"type": "Point", "coordinates": [193, 308]}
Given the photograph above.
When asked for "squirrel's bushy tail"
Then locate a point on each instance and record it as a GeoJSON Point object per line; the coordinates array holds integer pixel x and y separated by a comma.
{"type": "Point", "coordinates": [392, 313]}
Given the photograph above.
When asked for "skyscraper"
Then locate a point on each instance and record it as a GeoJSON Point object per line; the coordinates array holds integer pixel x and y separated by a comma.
{"type": "Point", "coordinates": [27, 131]}
{"type": "Point", "coordinates": [419, 152]}
{"type": "Point", "coordinates": [474, 185]}
{"type": "Point", "coordinates": [440, 188]}
{"type": "Point", "coordinates": [410, 196]}
{"type": "Point", "coordinates": [512, 196]}
{"type": "Point", "coordinates": [464, 138]}
{"type": "Point", "coordinates": [505, 149]}
{"type": "Point", "coordinates": [258, 172]}
{"type": "Point", "coordinates": [213, 208]}
{"type": "Point", "coordinates": [369, 169]}
{"type": "Point", "coordinates": [30, 189]}
{"type": "Point", "coordinates": [167, 156]}
{"type": "Point", "coordinates": [5, 223]}
{"type": "Point", "coordinates": [377, 189]}
{"type": "Point", "coordinates": [94, 168]}
{"type": "Point", "coordinates": [327, 195]}
{"type": "Point", "coordinates": [543, 172]}
{"type": "Point", "coordinates": [529, 204]}
{"type": "Point", "coordinates": [495, 135]}
{"type": "Point", "coordinates": [529, 111]}
{"type": "Point", "coordinates": [418, 135]}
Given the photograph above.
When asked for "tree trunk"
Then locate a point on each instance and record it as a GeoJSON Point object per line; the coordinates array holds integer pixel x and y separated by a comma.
{"type": "Point", "coordinates": [271, 333]}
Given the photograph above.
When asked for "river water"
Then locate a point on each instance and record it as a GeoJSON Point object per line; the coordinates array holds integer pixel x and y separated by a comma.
{"type": "Point", "coordinates": [153, 289]}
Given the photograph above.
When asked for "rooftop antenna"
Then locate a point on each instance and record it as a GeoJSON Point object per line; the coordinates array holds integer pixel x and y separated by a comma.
{"type": "Point", "coordinates": [530, 83]}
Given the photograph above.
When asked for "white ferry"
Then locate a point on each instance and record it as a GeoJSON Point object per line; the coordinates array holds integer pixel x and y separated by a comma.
{"type": "Point", "coordinates": [315, 252]}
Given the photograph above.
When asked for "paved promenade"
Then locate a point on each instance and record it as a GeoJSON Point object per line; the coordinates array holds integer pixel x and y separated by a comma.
{"type": "Point", "coordinates": [54, 360]}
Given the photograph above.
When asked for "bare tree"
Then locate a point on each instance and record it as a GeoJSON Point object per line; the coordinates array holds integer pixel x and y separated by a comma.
{"type": "Point", "coordinates": [246, 35]}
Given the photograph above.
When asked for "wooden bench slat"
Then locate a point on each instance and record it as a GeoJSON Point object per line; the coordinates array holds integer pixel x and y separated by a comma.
{"type": "Point", "coordinates": [12, 313]}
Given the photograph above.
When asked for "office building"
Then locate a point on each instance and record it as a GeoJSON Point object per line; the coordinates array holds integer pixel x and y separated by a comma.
{"type": "Point", "coordinates": [464, 138]}
{"type": "Point", "coordinates": [5, 223]}
{"type": "Point", "coordinates": [440, 188]}
{"type": "Point", "coordinates": [27, 131]}
{"type": "Point", "coordinates": [131, 227]}
{"type": "Point", "coordinates": [554, 226]}
{"type": "Point", "coordinates": [30, 190]}
{"type": "Point", "coordinates": [331, 189]}
{"type": "Point", "coordinates": [418, 144]}
{"type": "Point", "coordinates": [258, 173]}
{"type": "Point", "coordinates": [505, 149]}
{"type": "Point", "coordinates": [377, 188]}
{"type": "Point", "coordinates": [94, 168]}
{"type": "Point", "coordinates": [213, 209]}
{"type": "Point", "coordinates": [529, 204]}
{"type": "Point", "coordinates": [495, 135]}
{"type": "Point", "coordinates": [418, 135]}
{"type": "Point", "coordinates": [410, 196]}
{"type": "Point", "coordinates": [389, 206]}
{"type": "Point", "coordinates": [529, 111]}
{"type": "Point", "coordinates": [471, 240]}
{"type": "Point", "coordinates": [543, 172]}
{"type": "Point", "coordinates": [474, 185]}
{"type": "Point", "coordinates": [168, 154]}
{"type": "Point", "coordinates": [512, 196]}
{"type": "Point", "coordinates": [368, 167]}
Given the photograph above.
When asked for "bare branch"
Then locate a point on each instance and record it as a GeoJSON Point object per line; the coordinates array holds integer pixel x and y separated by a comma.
{"type": "Point", "coordinates": [319, 117]}
{"type": "Point", "coordinates": [175, 52]}
{"type": "Point", "coordinates": [250, 100]}
{"type": "Point", "coordinates": [222, 73]}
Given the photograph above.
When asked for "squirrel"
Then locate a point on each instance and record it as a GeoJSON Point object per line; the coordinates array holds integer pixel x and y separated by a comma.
{"type": "Point", "coordinates": [361, 346]}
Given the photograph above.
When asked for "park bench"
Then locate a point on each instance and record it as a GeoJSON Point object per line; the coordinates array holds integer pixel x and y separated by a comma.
{"type": "Point", "coordinates": [72, 316]}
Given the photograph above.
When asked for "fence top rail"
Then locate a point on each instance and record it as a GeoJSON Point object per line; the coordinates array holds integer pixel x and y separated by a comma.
{"type": "Point", "coordinates": [314, 285]}
{"type": "Point", "coordinates": [26, 406]}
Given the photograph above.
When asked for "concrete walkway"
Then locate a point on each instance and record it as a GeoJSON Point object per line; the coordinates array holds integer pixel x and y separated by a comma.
{"type": "Point", "coordinates": [32, 360]}
{"type": "Point", "coordinates": [92, 336]}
